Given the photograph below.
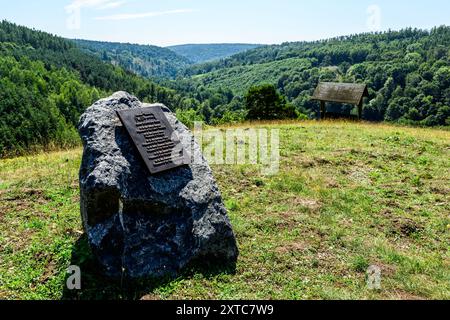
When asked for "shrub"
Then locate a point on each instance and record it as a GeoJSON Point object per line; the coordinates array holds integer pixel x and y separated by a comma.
{"type": "Point", "coordinates": [266, 103]}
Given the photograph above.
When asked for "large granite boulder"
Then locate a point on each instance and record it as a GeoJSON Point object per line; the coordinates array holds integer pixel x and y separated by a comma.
{"type": "Point", "coordinates": [143, 225]}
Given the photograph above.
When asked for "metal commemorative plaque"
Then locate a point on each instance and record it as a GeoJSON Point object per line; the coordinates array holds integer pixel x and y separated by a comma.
{"type": "Point", "coordinates": [154, 138]}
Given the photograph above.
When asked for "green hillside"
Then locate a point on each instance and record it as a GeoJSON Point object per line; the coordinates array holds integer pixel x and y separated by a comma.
{"type": "Point", "coordinates": [198, 53]}
{"type": "Point", "coordinates": [348, 195]}
{"type": "Point", "coordinates": [144, 60]}
{"type": "Point", "coordinates": [408, 73]}
{"type": "Point", "coordinates": [240, 78]}
{"type": "Point", "coordinates": [46, 82]}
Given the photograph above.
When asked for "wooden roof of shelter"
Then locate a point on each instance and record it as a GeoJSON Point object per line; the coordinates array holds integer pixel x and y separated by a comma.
{"type": "Point", "coordinates": [341, 92]}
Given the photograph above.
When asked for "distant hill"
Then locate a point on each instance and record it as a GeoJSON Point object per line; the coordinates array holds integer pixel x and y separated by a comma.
{"type": "Point", "coordinates": [145, 60]}
{"type": "Point", "coordinates": [199, 53]}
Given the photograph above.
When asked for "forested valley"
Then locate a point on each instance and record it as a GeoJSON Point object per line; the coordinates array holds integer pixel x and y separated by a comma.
{"type": "Point", "coordinates": [46, 81]}
{"type": "Point", "coordinates": [407, 72]}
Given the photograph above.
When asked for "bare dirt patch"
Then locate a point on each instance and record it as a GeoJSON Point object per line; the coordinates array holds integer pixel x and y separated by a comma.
{"type": "Point", "coordinates": [331, 183]}
{"type": "Point", "coordinates": [407, 227]}
{"type": "Point", "coordinates": [292, 248]}
{"type": "Point", "coordinates": [443, 190]}
{"type": "Point", "coordinates": [307, 203]}
{"type": "Point", "coordinates": [387, 270]}
{"type": "Point", "coordinates": [402, 226]}
{"type": "Point", "coordinates": [322, 161]}
{"type": "Point", "coordinates": [19, 200]}
{"type": "Point", "coordinates": [307, 164]}
{"type": "Point", "coordinates": [50, 272]}
{"type": "Point", "coordinates": [359, 174]}
{"type": "Point", "coordinates": [151, 297]}
{"type": "Point", "coordinates": [23, 194]}
{"type": "Point", "coordinates": [403, 295]}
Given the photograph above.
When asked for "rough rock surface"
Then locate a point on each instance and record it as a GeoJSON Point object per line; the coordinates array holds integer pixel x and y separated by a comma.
{"type": "Point", "coordinates": [143, 225]}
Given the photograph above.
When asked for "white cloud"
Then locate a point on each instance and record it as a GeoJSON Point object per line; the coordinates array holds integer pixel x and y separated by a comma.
{"type": "Point", "coordinates": [144, 15]}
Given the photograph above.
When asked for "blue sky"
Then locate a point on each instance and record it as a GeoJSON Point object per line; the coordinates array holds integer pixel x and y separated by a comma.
{"type": "Point", "coordinates": [168, 22]}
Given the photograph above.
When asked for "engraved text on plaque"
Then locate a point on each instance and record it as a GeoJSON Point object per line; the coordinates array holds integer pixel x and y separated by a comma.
{"type": "Point", "coordinates": [154, 138]}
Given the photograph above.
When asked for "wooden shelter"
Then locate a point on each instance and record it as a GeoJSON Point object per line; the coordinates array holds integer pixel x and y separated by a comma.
{"type": "Point", "coordinates": [348, 93]}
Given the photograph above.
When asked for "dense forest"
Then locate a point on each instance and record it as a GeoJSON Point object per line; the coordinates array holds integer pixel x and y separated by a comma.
{"type": "Point", "coordinates": [46, 82]}
{"type": "Point", "coordinates": [147, 61]}
{"type": "Point", "coordinates": [199, 53]}
{"type": "Point", "coordinates": [157, 62]}
{"type": "Point", "coordinates": [408, 73]}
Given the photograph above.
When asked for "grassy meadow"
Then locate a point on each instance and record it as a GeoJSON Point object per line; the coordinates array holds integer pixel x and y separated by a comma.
{"type": "Point", "coordinates": [348, 195]}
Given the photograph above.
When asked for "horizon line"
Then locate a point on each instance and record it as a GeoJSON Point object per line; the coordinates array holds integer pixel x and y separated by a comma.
{"type": "Point", "coordinates": [428, 29]}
